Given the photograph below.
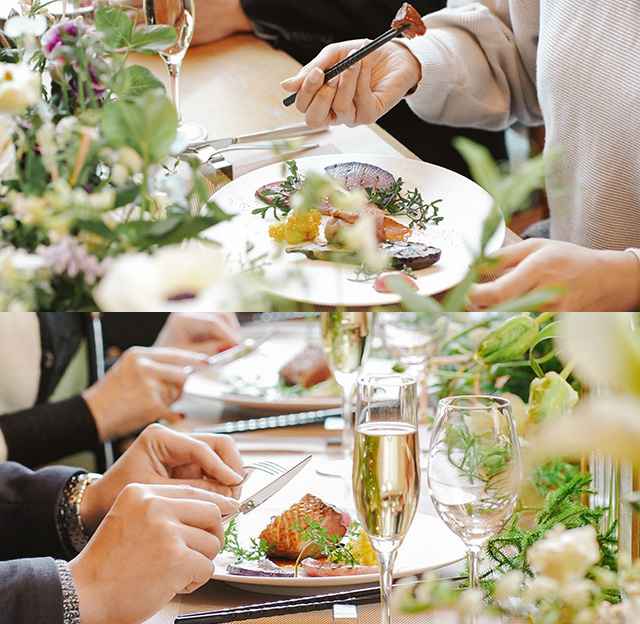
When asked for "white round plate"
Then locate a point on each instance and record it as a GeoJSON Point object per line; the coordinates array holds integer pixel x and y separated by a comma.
{"type": "Point", "coordinates": [252, 381]}
{"type": "Point", "coordinates": [464, 206]}
{"type": "Point", "coordinates": [428, 545]}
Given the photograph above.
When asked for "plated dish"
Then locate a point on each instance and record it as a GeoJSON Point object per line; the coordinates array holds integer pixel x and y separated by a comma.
{"type": "Point", "coordinates": [429, 545]}
{"type": "Point", "coordinates": [253, 380]}
{"type": "Point", "coordinates": [464, 207]}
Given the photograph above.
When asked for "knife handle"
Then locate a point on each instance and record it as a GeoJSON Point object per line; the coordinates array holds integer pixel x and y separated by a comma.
{"type": "Point", "coordinates": [285, 132]}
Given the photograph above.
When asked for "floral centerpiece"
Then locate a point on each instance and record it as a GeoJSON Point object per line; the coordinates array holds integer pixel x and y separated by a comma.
{"type": "Point", "coordinates": [86, 174]}
{"type": "Point", "coordinates": [558, 560]}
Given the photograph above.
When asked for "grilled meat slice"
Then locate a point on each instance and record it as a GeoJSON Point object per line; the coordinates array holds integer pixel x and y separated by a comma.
{"type": "Point", "coordinates": [307, 368]}
{"type": "Point", "coordinates": [408, 15]}
{"type": "Point", "coordinates": [286, 540]}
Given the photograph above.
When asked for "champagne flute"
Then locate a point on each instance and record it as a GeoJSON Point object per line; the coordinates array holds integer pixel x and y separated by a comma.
{"type": "Point", "coordinates": [386, 474]}
{"type": "Point", "coordinates": [346, 337]}
{"type": "Point", "coordinates": [474, 470]}
{"type": "Point", "coordinates": [182, 16]}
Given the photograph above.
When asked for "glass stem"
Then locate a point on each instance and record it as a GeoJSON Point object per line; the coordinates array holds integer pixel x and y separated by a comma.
{"type": "Point", "coordinates": [174, 73]}
{"type": "Point", "coordinates": [386, 561]}
{"type": "Point", "coordinates": [347, 416]}
{"type": "Point", "coordinates": [474, 576]}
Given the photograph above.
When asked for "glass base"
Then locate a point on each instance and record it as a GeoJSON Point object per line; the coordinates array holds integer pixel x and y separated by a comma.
{"type": "Point", "coordinates": [190, 132]}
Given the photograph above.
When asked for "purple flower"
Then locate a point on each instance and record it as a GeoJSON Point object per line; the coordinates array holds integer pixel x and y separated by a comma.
{"type": "Point", "coordinates": [63, 32]}
{"type": "Point", "coordinates": [70, 258]}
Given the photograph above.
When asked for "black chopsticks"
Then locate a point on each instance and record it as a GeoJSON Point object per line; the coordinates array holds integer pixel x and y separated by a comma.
{"type": "Point", "coordinates": [272, 422]}
{"type": "Point", "coordinates": [303, 604]}
{"type": "Point", "coordinates": [338, 68]}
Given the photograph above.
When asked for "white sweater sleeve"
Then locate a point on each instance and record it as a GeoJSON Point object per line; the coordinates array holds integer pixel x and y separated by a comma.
{"type": "Point", "coordinates": [478, 65]}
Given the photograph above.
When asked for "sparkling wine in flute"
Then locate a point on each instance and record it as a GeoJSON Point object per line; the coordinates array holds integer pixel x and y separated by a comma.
{"type": "Point", "coordinates": [386, 477]}
{"type": "Point", "coordinates": [386, 474]}
{"type": "Point", "coordinates": [346, 337]}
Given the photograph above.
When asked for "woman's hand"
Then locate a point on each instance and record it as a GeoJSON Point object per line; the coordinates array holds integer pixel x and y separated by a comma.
{"type": "Point", "coordinates": [205, 332]}
{"type": "Point", "coordinates": [593, 280]}
{"type": "Point", "coordinates": [362, 93]}
{"type": "Point", "coordinates": [157, 541]}
{"type": "Point", "coordinates": [163, 456]}
{"type": "Point", "coordinates": [139, 389]}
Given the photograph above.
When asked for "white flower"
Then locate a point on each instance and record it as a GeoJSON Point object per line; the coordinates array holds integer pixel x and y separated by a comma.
{"type": "Point", "coordinates": [128, 157]}
{"type": "Point", "coordinates": [577, 593]}
{"type": "Point", "coordinates": [470, 603]}
{"type": "Point", "coordinates": [565, 555]}
{"type": "Point", "coordinates": [585, 616]}
{"type": "Point", "coordinates": [541, 587]}
{"type": "Point", "coordinates": [19, 87]}
{"type": "Point", "coordinates": [8, 169]}
{"type": "Point", "coordinates": [181, 277]}
{"type": "Point", "coordinates": [508, 585]}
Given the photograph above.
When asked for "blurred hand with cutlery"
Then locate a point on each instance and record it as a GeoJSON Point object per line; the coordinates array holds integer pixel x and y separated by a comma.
{"type": "Point", "coordinates": [205, 332]}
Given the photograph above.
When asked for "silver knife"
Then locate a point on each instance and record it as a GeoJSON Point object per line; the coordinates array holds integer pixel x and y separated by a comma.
{"type": "Point", "coordinates": [249, 504]}
{"type": "Point", "coordinates": [233, 353]}
{"type": "Point", "coordinates": [206, 149]}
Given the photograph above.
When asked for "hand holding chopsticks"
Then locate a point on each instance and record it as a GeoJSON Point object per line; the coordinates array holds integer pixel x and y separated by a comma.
{"type": "Point", "coordinates": [407, 22]}
{"type": "Point", "coordinates": [352, 59]}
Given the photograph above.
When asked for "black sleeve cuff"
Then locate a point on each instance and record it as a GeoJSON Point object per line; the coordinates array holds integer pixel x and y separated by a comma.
{"type": "Point", "coordinates": [49, 431]}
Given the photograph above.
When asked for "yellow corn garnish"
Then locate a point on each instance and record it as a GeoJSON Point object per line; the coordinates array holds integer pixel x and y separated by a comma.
{"type": "Point", "coordinates": [298, 227]}
{"type": "Point", "coordinates": [362, 550]}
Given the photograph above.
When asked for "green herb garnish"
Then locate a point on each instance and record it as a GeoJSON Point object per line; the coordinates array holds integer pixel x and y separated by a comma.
{"type": "Point", "coordinates": [258, 549]}
{"type": "Point", "coordinates": [279, 200]}
{"type": "Point", "coordinates": [329, 545]}
{"type": "Point", "coordinates": [410, 204]}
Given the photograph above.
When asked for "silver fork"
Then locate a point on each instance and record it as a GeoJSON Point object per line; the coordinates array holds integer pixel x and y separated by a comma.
{"type": "Point", "coordinates": [266, 466]}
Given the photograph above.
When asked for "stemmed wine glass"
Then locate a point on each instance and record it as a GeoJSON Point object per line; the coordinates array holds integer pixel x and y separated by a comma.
{"type": "Point", "coordinates": [474, 469]}
{"type": "Point", "coordinates": [181, 15]}
{"type": "Point", "coordinates": [386, 474]}
{"type": "Point", "coordinates": [413, 338]}
{"type": "Point", "coordinates": [347, 339]}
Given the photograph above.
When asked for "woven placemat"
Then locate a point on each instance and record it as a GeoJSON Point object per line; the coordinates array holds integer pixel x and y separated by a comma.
{"type": "Point", "coordinates": [218, 595]}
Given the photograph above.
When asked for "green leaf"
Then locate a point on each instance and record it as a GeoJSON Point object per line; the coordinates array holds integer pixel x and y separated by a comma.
{"type": "Point", "coordinates": [126, 194]}
{"type": "Point", "coordinates": [532, 301]}
{"type": "Point", "coordinates": [99, 228]}
{"type": "Point", "coordinates": [138, 80]}
{"type": "Point", "coordinates": [147, 125]}
{"type": "Point", "coordinates": [115, 25]}
{"type": "Point", "coordinates": [483, 168]}
{"type": "Point", "coordinates": [146, 234]}
{"type": "Point", "coordinates": [156, 38]}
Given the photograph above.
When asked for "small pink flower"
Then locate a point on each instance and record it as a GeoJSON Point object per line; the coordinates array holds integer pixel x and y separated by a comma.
{"type": "Point", "coordinates": [67, 31]}
{"type": "Point", "coordinates": [70, 258]}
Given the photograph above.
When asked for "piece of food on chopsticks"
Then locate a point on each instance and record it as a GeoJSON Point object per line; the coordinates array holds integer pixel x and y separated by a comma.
{"type": "Point", "coordinates": [307, 368]}
{"type": "Point", "coordinates": [408, 17]}
{"type": "Point", "coordinates": [403, 254]}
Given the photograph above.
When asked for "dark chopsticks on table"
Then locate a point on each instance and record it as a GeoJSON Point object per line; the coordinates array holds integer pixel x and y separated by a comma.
{"type": "Point", "coordinates": [365, 595]}
{"type": "Point", "coordinates": [352, 59]}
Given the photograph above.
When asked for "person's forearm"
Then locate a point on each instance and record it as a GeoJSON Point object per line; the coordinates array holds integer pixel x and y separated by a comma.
{"type": "Point", "coordinates": [49, 432]}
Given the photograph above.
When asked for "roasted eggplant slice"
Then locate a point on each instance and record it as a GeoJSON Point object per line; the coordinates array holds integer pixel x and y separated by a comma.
{"type": "Point", "coordinates": [403, 254]}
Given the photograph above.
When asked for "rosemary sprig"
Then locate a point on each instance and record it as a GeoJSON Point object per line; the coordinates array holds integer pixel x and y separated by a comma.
{"type": "Point", "coordinates": [258, 549]}
{"type": "Point", "coordinates": [329, 545]}
{"type": "Point", "coordinates": [410, 204]}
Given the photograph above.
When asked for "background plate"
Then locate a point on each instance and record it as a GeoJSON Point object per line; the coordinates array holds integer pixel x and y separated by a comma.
{"type": "Point", "coordinates": [464, 207]}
